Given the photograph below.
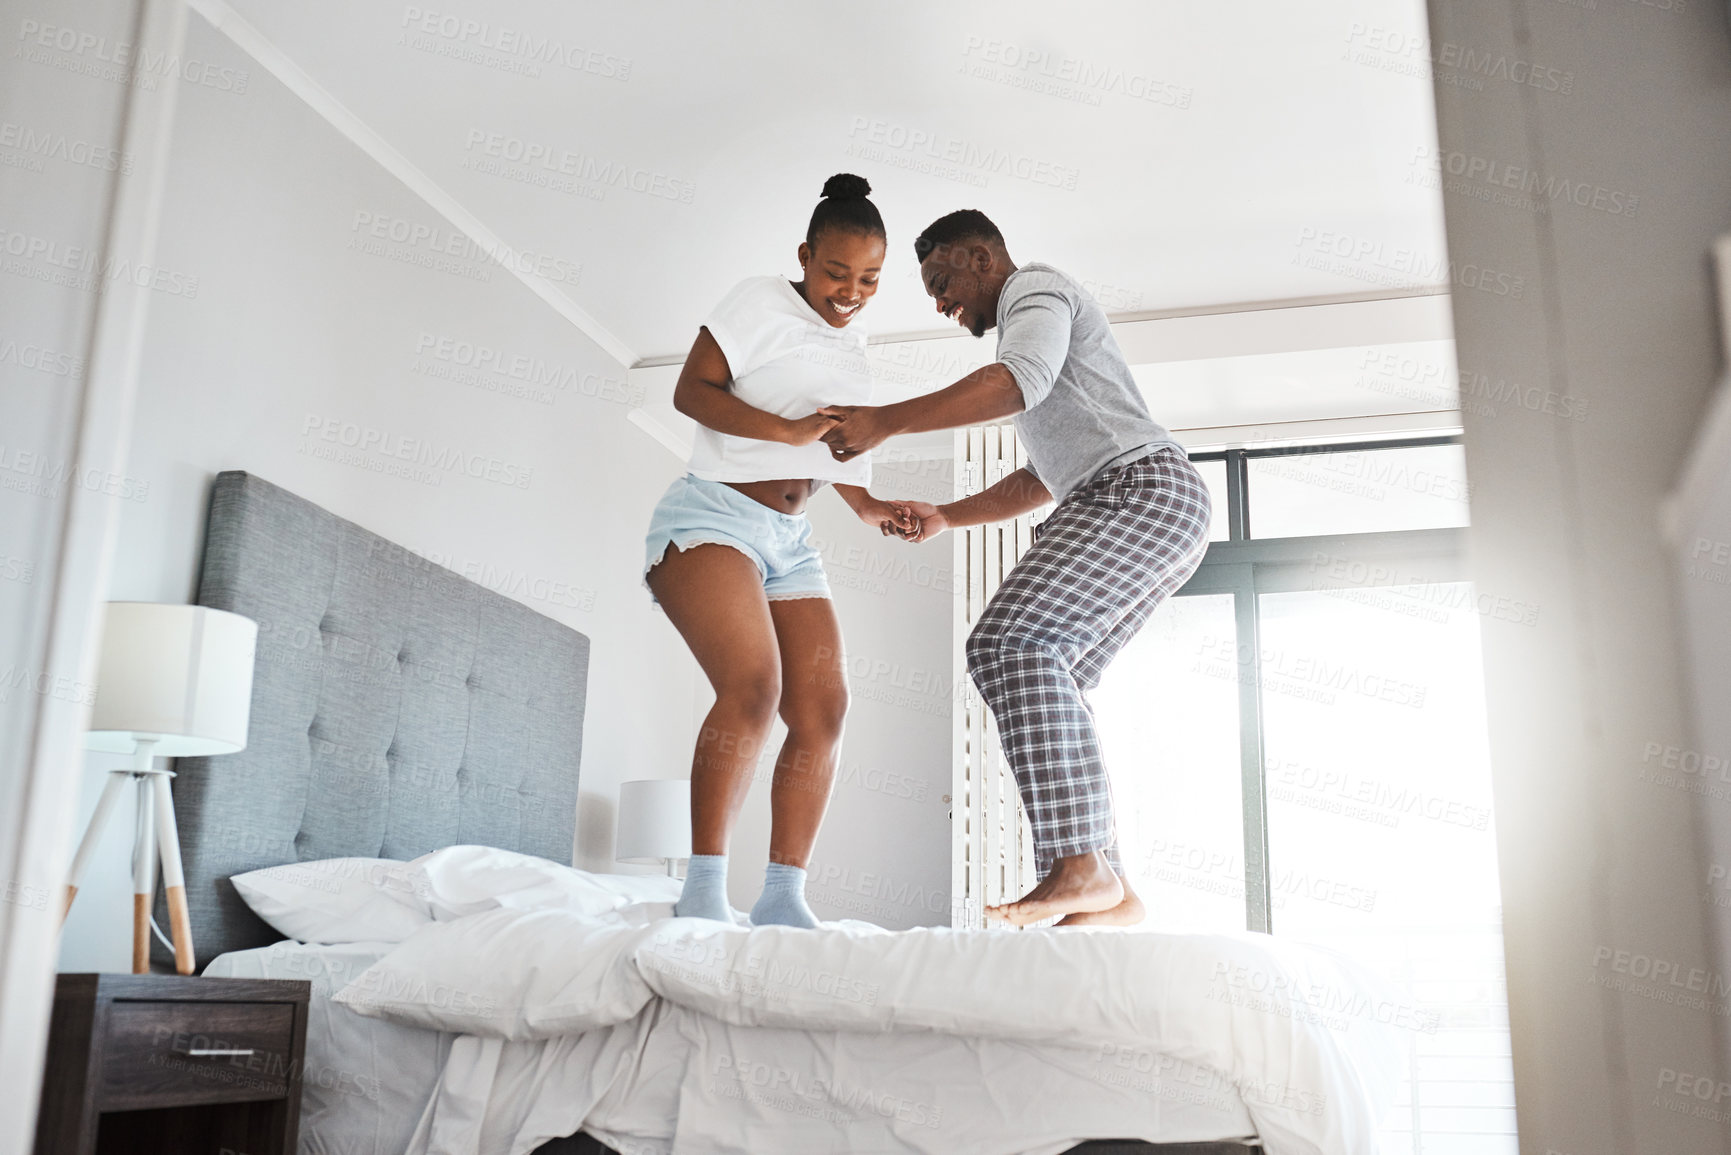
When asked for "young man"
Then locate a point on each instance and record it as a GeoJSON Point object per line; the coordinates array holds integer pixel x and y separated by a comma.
{"type": "Point", "coordinates": [1130, 528]}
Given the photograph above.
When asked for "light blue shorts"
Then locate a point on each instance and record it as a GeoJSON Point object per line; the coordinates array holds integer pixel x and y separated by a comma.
{"type": "Point", "coordinates": [697, 512]}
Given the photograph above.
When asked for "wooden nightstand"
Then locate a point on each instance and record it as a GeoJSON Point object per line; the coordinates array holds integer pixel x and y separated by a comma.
{"type": "Point", "coordinates": [146, 1064]}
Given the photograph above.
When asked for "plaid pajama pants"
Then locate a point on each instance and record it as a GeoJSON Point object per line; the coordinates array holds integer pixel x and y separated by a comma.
{"type": "Point", "coordinates": [1104, 560]}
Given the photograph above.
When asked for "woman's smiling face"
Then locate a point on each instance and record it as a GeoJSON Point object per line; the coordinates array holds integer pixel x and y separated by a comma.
{"type": "Point", "coordinates": [841, 273]}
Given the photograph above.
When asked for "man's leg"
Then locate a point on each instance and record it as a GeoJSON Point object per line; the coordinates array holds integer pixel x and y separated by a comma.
{"type": "Point", "coordinates": [1074, 599]}
{"type": "Point", "coordinates": [1088, 672]}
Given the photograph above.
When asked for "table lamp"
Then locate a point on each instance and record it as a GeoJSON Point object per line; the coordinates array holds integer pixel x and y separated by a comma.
{"type": "Point", "coordinates": [654, 822]}
{"type": "Point", "coordinates": [172, 681]}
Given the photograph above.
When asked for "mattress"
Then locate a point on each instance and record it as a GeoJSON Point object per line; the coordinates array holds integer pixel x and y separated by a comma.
{"type": "Point", "coordinates": [373, 1087]}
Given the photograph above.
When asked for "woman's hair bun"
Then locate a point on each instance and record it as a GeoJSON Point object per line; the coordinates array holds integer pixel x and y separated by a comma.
{"type": "Point", "coordinates": [846, 186]}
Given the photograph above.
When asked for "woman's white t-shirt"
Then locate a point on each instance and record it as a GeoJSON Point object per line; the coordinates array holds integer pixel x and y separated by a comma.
{"type": "Point", "coordinates": [785, 360]}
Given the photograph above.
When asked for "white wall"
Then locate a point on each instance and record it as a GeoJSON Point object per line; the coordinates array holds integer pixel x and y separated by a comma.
{"type": "Point", "coordinates": [1603, 867]}
{"type": "Point", "coordinates": [292, 327]}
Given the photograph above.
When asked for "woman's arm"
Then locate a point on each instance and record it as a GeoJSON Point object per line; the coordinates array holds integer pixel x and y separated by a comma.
{"type": "Point", "coordinates": [1016, 494]}
{"type": "Point", "coordinates": [704, 394]}
{"type": "Point", "coordinates": [888, 516]}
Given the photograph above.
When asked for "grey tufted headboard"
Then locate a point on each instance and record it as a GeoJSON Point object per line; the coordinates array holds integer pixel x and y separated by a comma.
{"type": "Point", "coordinates": [396, 708]}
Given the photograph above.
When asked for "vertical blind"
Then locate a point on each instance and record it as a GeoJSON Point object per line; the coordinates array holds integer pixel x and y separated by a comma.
{"type": "Point", "coordinates": [993, 849]}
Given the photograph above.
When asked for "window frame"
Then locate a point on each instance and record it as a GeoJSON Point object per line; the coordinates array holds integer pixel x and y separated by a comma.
{"type": "Point", "coordinates": [1247, 567]}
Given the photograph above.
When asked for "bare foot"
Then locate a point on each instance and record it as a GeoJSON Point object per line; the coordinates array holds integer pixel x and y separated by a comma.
{"type": "Point", "coordinates": [1129, 912]}
{"type": "Point", "coordinates": [1079, 884]}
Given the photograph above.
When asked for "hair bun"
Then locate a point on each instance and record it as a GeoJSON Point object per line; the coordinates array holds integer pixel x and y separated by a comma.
{"type": "Point", "coordinates": [846, 186]}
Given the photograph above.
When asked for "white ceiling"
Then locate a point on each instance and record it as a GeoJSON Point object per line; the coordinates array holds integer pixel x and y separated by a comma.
{"type": "Point", "coordinates": [752, 105]}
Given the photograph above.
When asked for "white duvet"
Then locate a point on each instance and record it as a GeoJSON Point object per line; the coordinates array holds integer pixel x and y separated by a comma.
{"type": "Point", "coordinates": [680, 1035]}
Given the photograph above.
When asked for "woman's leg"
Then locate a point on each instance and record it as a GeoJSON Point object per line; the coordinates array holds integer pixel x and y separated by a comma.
{"type": "Point", "coordinates": [713, 595]}
{"type": "Point", "coordinates": [814, 705]}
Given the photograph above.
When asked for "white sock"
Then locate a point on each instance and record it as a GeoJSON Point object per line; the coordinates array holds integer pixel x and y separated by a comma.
{"type": "Point", "coordinates": [783, 899]}
{"type": "Point", "coordinates": [705, 893]}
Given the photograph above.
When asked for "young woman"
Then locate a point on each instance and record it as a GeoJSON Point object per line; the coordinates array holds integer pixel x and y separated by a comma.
{"type": "Point", "coordinates": [729, 555]}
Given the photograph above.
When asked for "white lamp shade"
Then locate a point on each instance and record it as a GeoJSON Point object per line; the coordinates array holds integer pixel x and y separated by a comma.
{"type": "Point", "coordinates": [654, 821]}
{"type": "Point", "coordinates": [181, 675]}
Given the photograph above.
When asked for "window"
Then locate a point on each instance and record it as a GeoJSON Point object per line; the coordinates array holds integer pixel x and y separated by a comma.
{"type": "Point", "coordinates": [1297, 745]}
{"type": "Point", "coordinates": [1346, 490]}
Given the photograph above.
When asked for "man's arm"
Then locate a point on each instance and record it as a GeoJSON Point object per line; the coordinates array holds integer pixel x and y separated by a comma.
{"type": "Point", "coordinates": [1033, 343]}
{"type": "Point", "coordinates": [703, 394]}
{"type": "Point", "coordinates": [986, 395]}
{"type": "Point", "coordinates": [1015, 495]}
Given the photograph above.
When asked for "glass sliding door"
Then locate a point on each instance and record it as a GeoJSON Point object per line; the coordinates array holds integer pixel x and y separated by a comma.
{"type": "Point", "coordinates": [1167, 713]}
{"type": "Point", "coordinates": [1297, 744]}
{"type": "Point", "coordinates": [1381, 842]}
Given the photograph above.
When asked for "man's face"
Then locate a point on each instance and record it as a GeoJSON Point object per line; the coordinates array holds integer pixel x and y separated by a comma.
{"type": "Point", "coordinates": [957, 278]}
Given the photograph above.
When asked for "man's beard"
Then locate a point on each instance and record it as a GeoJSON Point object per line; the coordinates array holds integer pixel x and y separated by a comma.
{"type": "Point", "coordinates": [978, 327]}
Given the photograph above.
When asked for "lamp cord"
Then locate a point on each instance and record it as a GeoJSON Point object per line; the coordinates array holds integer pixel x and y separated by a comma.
{"type": "Point", "coordinates": [160, 937]}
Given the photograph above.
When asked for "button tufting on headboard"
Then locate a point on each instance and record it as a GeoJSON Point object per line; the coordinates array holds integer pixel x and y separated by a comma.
{"type": "Point", "coordinates": [458, 765]}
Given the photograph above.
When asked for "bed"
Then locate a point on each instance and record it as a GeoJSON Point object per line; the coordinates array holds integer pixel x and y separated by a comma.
{"type": "Point", "coordinates": [402, 712]}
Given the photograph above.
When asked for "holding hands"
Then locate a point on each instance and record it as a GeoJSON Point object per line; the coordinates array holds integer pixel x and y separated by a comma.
{"type": "Point", "coordinates": [919, 520]}
{"type": "Point", "coordinates": [806, 430]}
{"type": "Point", "coordinates": [893, 518]}
{"type": "Point", "coordinates": [856, 429]}
{"type": "Point", "coordinates": [850, 430]}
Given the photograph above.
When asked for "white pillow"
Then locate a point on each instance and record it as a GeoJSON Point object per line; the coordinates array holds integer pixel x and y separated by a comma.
{"type": "Point", "coordinates": [641, 887]}
{"type": "Point", "coordinates": [462, 880]}
{"type": "Point", "coordinates": [336, 900]}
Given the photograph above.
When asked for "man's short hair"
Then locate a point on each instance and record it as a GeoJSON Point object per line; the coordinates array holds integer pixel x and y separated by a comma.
{"type": "Point", "coordinates": [958, 227]}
